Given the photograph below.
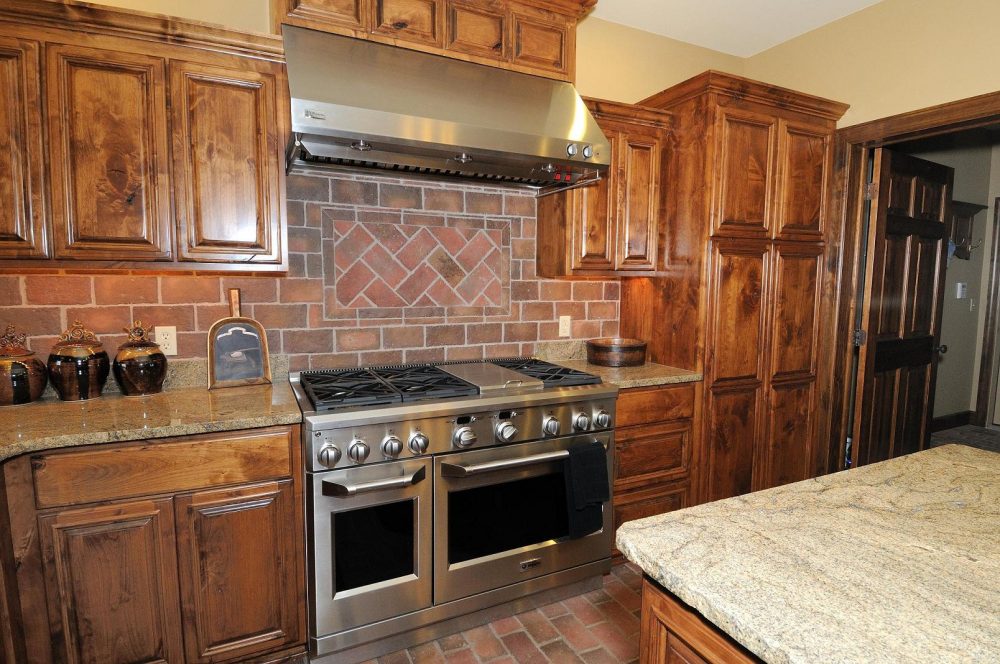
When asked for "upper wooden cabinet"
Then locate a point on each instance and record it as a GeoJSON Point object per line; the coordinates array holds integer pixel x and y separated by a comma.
{"type": "Point", "coordinates": [530, 36]}
{"type": "Point", "coordinates": [163, 142]}
{"type": "Point", "coordinates": [610, 228]}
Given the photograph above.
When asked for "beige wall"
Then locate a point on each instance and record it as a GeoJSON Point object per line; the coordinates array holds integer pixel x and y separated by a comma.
{"type": "Point", "coordinates": [893, 57]}
{"type": "Point", "coordinates": [238, 14]}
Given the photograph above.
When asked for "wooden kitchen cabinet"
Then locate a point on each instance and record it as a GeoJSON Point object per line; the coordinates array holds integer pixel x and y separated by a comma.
{"type": "Point", "coordinates": [200, 560]}
{"type": "Point", "coordinates": [163, 149]}
{"type": "Point", "coordinates": [530, 36]}
{"type": "Point", "coordinates": [749, 167]}
{"type": "Point", "coordinates": [610, 228]}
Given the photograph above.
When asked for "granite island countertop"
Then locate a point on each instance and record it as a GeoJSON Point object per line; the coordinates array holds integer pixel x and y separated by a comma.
{"type": "Point", "coordinates": [894, 562]}
{"type": "Point", "coordinates": [50, 423]}
{"type": "Point", "coordinates": [644, 375]}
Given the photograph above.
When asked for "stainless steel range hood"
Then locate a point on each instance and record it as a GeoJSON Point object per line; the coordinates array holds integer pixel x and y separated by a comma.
{"type": "Point", "coordinates": [362, 104]}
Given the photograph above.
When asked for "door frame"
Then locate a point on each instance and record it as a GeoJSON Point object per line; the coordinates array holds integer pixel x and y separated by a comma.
{"type": "Point", "coordinates": [846, 209]}
{"type": "Point", "coordinates": [983, 413]}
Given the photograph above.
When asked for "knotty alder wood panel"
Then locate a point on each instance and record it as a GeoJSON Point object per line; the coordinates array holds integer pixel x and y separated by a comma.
{"type": "Point", "coordinates": [639, 207]}
{"type": "Point", "coordinates": [347, 13]}
{"type": "Point", "coordinates": [239, 599]}
{"type": "Point", "coordinates": [108, 154]}
{"type": "Point", "coordinates": [804, 154]}
{"type": "Point", "coordinates": [542, 41]}
{"type": "Point", "coordinates": [111, 579]}
{"type": "Point", "coordinates": [651, 454]}
{"type": "Point", "coordinates": [415, 21]}
{"type": "Point", "coordinates": [22, 216]}
{"type": "Point", "coordinates": [795, 334]}
{"type": "Point", "coordinates": [476, 29]}
{"type": "Point", "coordinates": [732, 427]}
{"type": "Point", "coordinates": [746, 173]}
{"type": "Point", "coordinates": [646, 405]}
{"type": "Point", "coordinates": [740, 276]}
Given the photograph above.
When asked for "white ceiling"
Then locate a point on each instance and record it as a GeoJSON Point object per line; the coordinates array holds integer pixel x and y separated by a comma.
{"type": "Point", "coordinates": [737, 27]}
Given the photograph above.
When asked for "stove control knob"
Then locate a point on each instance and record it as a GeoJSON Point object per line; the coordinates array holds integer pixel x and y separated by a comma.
{"type": "Point", "coordinates": [603, 419]}
{"type": "Point", "coordinates": [358, 450]}
{"type": "Point", "coordinates": [465, 437]}
{"type": "Point", "coordinates": [419, 443]}
{"type": "Point", "coordinates": [391, 447]}
{"type": "Point", "coordinates": [506, 432]}
{"type": "Point", "coordinates": [329, 455]}
{"type": "Point", "coordinates": [581, 422]}
{"type": "Point", "coordinates": [550, 427]}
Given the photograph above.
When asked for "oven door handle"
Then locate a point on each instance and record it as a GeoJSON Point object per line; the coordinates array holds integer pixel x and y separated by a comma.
{"type": "Point", "coordinates": [467, 470]}
{"type": "Point", "coordinates": [331, 488]}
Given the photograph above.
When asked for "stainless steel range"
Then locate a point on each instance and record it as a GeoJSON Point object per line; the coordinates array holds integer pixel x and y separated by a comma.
{"type": "Point", "coordinates": [437, 491]}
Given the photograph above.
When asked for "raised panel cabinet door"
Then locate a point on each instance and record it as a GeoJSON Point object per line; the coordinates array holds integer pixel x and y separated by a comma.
{"type": "Point", "coordinates": [111, 581]}
{"type": "Point", "coordinates": [593, 221]}
{"type": "Point", "coordinates": [108, 154]}
{"type": "Point", "coordinates": [227, 170]}
{"type": "Point", "coordinates": [641, 155]}
{"type": "Point", "coordinates": [340, 13]}
{"type": "Point", "coordinates": [796, 314]}
{"type": "Point", "coordinates": [732, 426]}
{"type": "Point", "coordinates": [745, 174]}
{"type": "Point", "coordinates": [22, 200]}
{"type": "Point", "coordinates": [415, 21]}
{"type": "Point", "coordinates": [736, 344]}
{"type": "Point", "coordinates": [803, 161]}
{"type": "Point", "coordinates": [542, 43]}
{"type": "Point", "coordinates": [238, 557]}
{"type": "Point", "coordinates": [791, 434]}
{"type": "Point", "coordinates": [475, 29]}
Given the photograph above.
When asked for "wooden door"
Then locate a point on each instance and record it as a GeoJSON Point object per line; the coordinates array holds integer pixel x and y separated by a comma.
{"type": "Point", "coordinates": [22, 216]}
{"type": "Point", "coordinates": [638, 192]}
{"type": "Point", "coordinates": [541, 41]}
{"type": "Point", "coordinates": [475, 29]}
{"type": "Point", "coordinates": [108, 154]}
{"type": "Point", "coordinates": [227, 162]}
{"type": "Point", "coordinates": [744, 178]}
{"type": "Point", "coordinates": [111, 581]}
{"type": "Point", "coordinates": [901, 309]}
{"type": "Point", "coordinates": [412, 21]}
{"type": "Point", "coordinates": [340, 13]}
{"type": "Point", "coordinates": [238, 570]}
{"type": "Point", "coordinates": [803, 166]}
{"type": "Point", "coordinates": [592, 217]}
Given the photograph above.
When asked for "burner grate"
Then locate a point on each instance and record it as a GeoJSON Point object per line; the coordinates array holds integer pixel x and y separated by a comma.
{"type": "Point", "coordinates": [424, 381]}
{"type": "Point", "coordinates": [376, 386]}
{"type": "Point", "coordinates": [552, 375]}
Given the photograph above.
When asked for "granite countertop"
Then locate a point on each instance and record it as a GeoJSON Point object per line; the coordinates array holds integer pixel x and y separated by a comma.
{"type": "Point", "coordinates": [893, 562]}
{"type": "Point", "coordinates": [50, 423]}
{"type": "Point", "coordinates": [641, 376]}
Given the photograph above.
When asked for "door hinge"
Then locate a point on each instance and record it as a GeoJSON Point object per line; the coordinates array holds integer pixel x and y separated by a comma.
{"type": "Point", "coordinates": [871, 191]}
{"type": "Point", "coordinates": [859, 337]}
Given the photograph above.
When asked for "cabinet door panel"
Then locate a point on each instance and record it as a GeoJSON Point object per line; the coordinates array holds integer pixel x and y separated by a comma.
{"type": "Point", "coordinates": [541, 43]}
{"type": "Point", "coordinates": [797, 270]}
{"type": "Point", "coordinates": [418, 21]}
{"type": "Point", "coordinates": [22, 216]}
{"type": "Point", "coordinates": [592, 219]}
{"type": "Point", "coordinates": [744, 182]}
{"type": "Point", "coordinates": [108, 154]}
{"type": "Point", "coordinates": [641, 157]}
{"type": "Point", "coordinates": [732, 426]}
{"type": "Point", "coordinates": [111, 579]}
{"type": "Point", "coordinates": [345, 13]}
{"type": "Point", "coordinates": [803, 155]}
{"type": "Point", "coordinates": [226, 164]}
{"type": "Point", "coordinates": [237, 560]}
{"type": "Point", "coordinates": [791, 434]}
{"type": "Point", "coordinates": [652, 453]}
{"type": "Point", "coordinates": [736, 347]}
{"type": "Point", "coordinates": [476, 31]}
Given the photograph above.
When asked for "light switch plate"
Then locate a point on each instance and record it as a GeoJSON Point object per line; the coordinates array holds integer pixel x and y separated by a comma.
{"type": "Point", "coordinates": [961, 290]}
{"type": "Point", "coordinates": [166, 338]}
{"type": "Point", "coordinates": [564, 326]}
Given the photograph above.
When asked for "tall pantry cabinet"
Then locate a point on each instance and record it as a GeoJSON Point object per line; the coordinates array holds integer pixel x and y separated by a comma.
{"type": "Point", "coordinates": [743, 268]}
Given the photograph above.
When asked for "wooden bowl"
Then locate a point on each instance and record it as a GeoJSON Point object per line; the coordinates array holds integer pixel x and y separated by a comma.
{"type": "Point", "coordinates": [615, 352]}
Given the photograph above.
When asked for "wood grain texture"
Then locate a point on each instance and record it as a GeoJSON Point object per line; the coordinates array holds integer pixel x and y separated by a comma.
{"type": "Point", "coordinates": [11, 627]}
{"type": "Point", "coordinates": [414, 21]}
{"type": "Point", "coordinates": [804, 159]}
{"type": "Point", "coordinates": [651, 454]}
{"type": "Point", "coordinates": [477, 29]}
{"type": "Point", "coordinates": [745, 176]}
{"type": "Point", "coordinates": [169, 465]}
{"type": "Point", "coordinates": [647, 405]}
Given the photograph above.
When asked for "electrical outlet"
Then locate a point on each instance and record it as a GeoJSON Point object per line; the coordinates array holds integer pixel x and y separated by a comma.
{"type": "Point", "coordinates": [564, 326]}
{"type": "Point", "coordinates": [961, 290]}
{"type": "Point", "coordinates": [166, 338]}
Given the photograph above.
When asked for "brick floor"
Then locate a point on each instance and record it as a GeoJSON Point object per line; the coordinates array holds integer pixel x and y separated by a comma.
{"type": "Point", "coordinates": [598, 626]}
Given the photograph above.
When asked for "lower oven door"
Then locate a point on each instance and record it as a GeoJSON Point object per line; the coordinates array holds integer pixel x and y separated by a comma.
{"type": "Point", "coordinates": [370, 545]}
{"type": "Point", "coordinates": [501, 515]}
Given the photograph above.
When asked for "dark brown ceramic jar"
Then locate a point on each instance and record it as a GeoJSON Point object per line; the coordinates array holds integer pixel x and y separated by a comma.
{"type": "Point", "coordinates": [78, 364]}
{"type": "Point", "coordinates": [140, 366]}
{"type": "Point", "coordinates": [22, 375]}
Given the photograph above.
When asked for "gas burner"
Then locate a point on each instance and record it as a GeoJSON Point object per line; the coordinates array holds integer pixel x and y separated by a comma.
{"type": "Point", "coordinates": [417, 382]}
{"type": "Point", "coordinates": [339, 388]}
{"type": "Point", "coordinates": [552, 375]}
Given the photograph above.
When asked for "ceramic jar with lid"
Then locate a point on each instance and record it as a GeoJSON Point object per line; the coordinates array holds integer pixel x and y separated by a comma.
{"type": "Point", "coordinates": [140, 366]}
{"type": "Point", "coordinates": [22, 375]}
{"type": "Point", "coordinates": [78, 364]}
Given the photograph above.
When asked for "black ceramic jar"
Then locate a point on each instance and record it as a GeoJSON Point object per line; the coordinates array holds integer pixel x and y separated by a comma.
{"type": "Point", "coordinates": [78, 364]}
{"type": "Point", "coordinates": [140, 366]}
{"type": "Point", "coordinates": [22, 375]}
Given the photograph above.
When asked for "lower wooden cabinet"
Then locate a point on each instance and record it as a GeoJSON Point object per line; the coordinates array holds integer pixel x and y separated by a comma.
{"type": "Point", "coordinates": [210, 568]}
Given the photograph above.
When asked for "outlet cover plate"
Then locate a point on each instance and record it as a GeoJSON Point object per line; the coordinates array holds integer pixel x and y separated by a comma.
{"type": "Point", "coordinates": [166, 338]}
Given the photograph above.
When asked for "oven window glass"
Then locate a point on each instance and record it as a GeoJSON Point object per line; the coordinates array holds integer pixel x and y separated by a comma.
{"type": "Point", "coordinates": [373, 544]}
{"type": "Point", "coordinates": [500, 517]}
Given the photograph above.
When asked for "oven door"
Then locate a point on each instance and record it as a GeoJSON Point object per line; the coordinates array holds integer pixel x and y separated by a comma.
{"type": "Point", "coordinates": [370, 546]}
{"type": "Point", "coordinates": [501, 515]}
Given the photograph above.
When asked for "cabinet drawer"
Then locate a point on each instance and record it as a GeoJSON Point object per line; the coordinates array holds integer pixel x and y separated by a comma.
{"type": "Point", "coordinates": [643, 405]}
{"type": "Point", "coordinates": [154, 467]}
{"type": "Point", "coordinates": [646, 454]}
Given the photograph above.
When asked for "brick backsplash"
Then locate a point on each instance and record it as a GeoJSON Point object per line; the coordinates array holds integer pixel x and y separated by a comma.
{"type": "Point", "coordinates": [381, 270]}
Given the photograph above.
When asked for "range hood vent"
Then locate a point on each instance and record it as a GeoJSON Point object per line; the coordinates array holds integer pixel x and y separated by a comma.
{"type": "Point", "coordinates": [362, 105]}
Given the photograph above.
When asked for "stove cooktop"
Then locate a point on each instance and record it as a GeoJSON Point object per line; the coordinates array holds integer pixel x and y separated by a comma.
{"type": "Point", "coordinates": [551, 375]}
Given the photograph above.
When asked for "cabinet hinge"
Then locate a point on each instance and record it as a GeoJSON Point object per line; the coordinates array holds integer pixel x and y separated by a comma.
{"type": "Point", "coordinates": [871, 191]}
{"type": "Point", "coordinates": [859, 338]}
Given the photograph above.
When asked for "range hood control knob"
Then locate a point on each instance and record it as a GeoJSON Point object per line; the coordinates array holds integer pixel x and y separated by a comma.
{"type": "Point", "coordinates": [418, 443]}
{"type": "Point", "coordinates": [603, 419]}
{"type": "Point", "coordinates": [465, 437]}
{"type": "Point", "coordinates": [391, 447]}
{"type": "Point", "coordinates": [550, 427]}
{"type": "Point", "coordinates": [329, 455]}
{"type": "Point", "coordinates": [358, 450]}
{"type": "Point", "coordinates": [588, 151]}
{"type": "Point", "coordinates": [506, 432]}
{"type": "Point", "coordinates": [572, 149]}
{"type": "Point", "coordinates": [581, 422]}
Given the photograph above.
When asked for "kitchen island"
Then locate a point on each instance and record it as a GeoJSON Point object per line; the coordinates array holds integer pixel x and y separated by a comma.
{"type": "Point", "coordinates": [894, 562]}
